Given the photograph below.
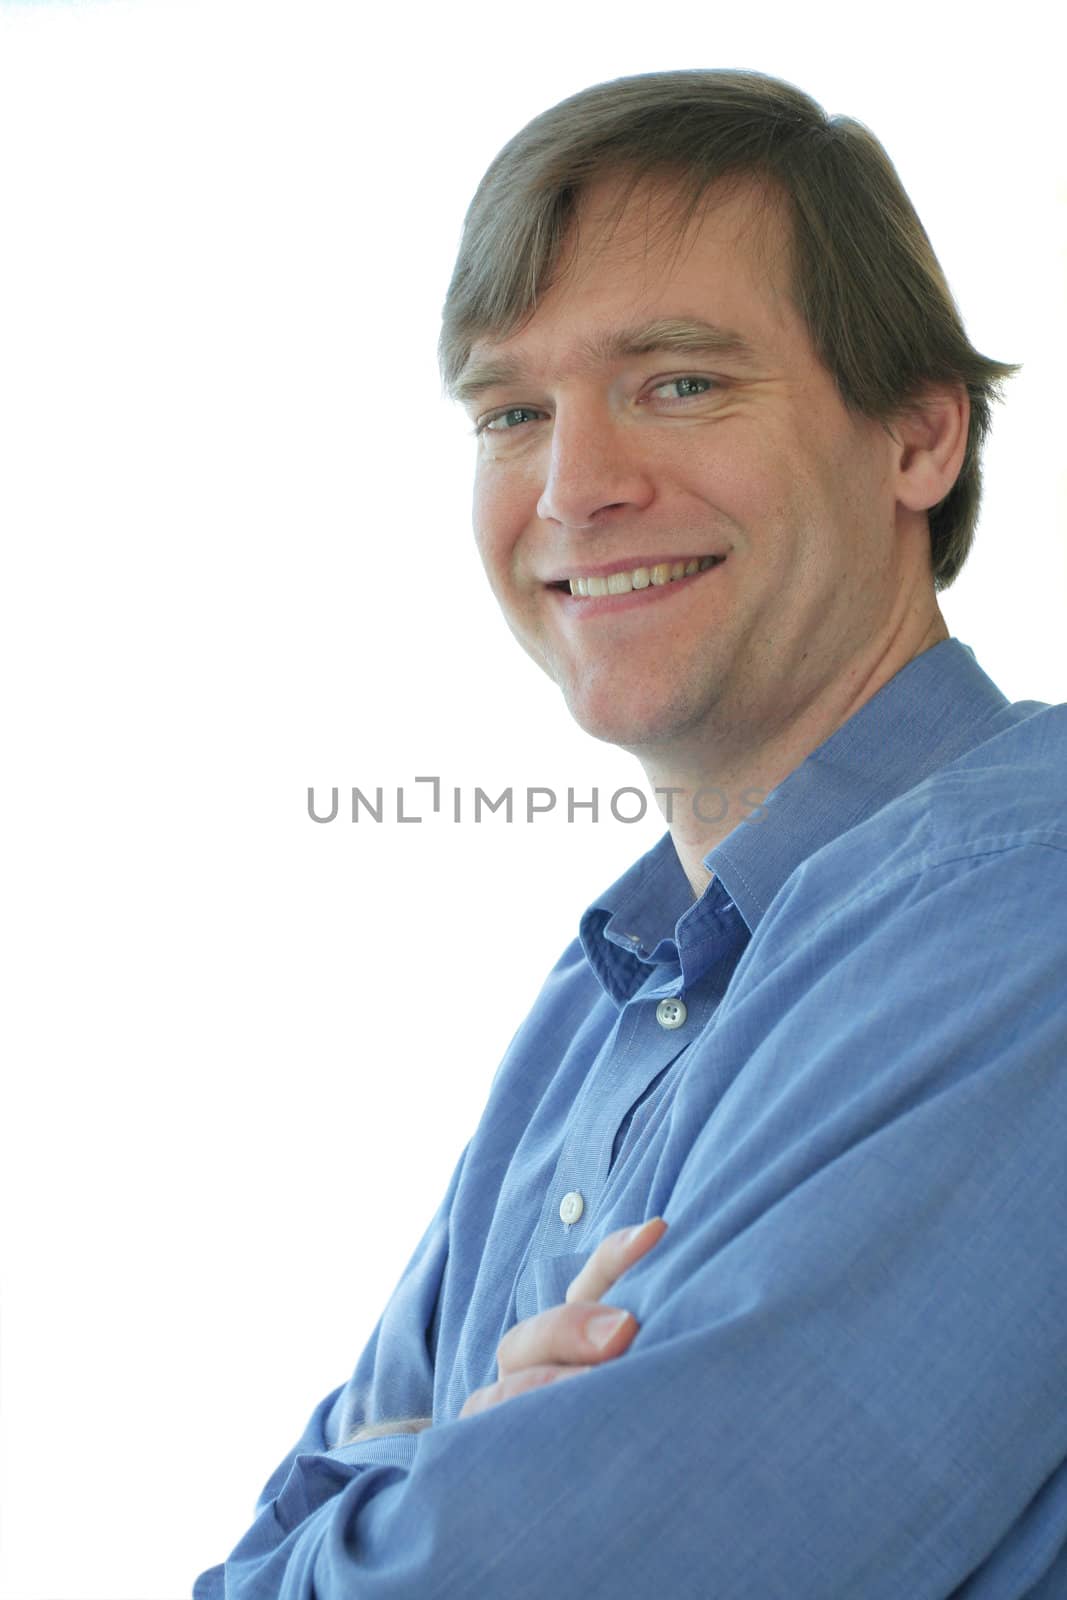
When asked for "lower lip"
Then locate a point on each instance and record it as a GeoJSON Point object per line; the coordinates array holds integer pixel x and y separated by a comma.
{"type": "Point", "coordinates": [582, 606]}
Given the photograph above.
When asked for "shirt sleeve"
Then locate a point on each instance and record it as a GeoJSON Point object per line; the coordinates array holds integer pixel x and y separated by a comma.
{"type": "Point", "coordinates": [847, 1379]}
{"type": "Point", "coordinates": [393, 1379]}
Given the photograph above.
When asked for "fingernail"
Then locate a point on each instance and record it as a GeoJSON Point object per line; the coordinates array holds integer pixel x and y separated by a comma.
{"type": "Point", "coordinates": [601, 1328]}
{"type": "Point", "coordinates": [641, 1226]}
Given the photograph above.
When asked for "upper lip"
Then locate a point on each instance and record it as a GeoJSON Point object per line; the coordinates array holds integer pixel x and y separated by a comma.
{"type": "Point", "coordinates": [607, 568]}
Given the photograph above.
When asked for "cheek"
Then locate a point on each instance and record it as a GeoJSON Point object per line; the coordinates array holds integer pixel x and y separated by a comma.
{"type": "Point", "coordinates": [740, 469]}
{"type": "Point", "coordinates": [485, 520]}
{"type": "Point", "coordinates": [498, 519]}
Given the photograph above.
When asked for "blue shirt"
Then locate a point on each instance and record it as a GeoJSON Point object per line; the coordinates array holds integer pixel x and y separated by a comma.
{"type": "Point", "coordinates": [849, 1378]}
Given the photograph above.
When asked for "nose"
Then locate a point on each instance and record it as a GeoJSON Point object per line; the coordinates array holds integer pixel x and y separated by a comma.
{"type": "Point", "coordinates": [594, 466]}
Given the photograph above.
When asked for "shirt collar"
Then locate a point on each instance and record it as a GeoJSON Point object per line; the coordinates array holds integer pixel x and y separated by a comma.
{"type": "Point", "coordinates": [927, 715]}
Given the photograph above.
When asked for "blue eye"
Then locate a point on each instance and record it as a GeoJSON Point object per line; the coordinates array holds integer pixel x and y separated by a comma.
{"type": "Point", "coordinates": [689, 386]}
{"type": "Point", "coordinates": [503, 421]}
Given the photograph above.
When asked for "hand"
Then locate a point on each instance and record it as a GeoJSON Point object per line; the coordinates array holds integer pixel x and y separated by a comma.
{"type": "Point", "coordinates": [561, 1342]}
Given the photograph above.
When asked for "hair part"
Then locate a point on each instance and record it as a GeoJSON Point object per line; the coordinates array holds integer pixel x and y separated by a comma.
{"type": "Point", "coordinates": [861, 273]}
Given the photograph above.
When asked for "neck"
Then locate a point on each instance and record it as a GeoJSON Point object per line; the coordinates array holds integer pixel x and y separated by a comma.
{"type": "Point", "coordinates": [707, 785]}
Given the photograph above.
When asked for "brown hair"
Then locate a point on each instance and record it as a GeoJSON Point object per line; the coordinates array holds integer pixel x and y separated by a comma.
{"type": "Point", "coordinates": [862, 274]}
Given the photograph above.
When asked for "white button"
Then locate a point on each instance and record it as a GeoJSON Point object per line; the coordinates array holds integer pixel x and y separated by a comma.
{"type": "Point", "coordinates": [671, 1013]}
{"type": "Point", "coordinates": [571, 1207]}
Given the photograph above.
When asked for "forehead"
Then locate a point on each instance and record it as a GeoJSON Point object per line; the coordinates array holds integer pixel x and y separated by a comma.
{"type": "Point", "coordinates": [651, 225]}
{"type": "Point", "coordinates": [631, 262]}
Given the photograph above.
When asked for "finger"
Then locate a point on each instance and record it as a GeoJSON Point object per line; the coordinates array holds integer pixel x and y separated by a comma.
{"type": "Point", "coordinates": [561, 1334]}
{"type": "Point", "coordinates": [494, 1394]}
{"type": "Point", "coordinates": [612, 1257]}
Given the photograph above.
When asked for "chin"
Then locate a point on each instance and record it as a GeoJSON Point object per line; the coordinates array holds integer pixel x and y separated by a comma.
{"type": "Point", "coordinates": [645, 718]}
{"type": "Point", "coordinates": [629, 727]}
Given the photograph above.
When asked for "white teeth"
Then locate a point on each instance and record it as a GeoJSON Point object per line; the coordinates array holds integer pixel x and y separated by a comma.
{"type": "Point", "coordinates": [641, 577]}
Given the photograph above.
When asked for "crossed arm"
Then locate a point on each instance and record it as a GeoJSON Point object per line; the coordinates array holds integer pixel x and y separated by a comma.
{"type": "Point", "coordinates": [843, 1379]}
{"type": "Point", "coordinates": [558, 1343]}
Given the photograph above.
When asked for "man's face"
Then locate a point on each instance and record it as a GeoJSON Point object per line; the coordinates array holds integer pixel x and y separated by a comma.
{"type": "Point", "coordinates": [605, 458]}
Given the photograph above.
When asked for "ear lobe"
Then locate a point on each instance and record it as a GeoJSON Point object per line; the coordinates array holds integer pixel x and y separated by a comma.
{"type": "Point", "coordinates": [931, 436]}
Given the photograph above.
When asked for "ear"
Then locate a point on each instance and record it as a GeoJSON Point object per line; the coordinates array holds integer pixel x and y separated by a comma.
{"type": "Point", "coordinates": [931, 439]}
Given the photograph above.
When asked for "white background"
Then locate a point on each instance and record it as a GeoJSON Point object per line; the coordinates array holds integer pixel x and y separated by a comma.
{"type": "Point", "coordinates": [242, 1049]}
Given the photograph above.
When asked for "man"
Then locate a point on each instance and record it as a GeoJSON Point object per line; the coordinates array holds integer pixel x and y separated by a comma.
{"type": "Point", "coordinates": [729, 436]}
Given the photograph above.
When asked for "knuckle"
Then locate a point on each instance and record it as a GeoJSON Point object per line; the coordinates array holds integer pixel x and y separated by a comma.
{"type": "Point", "coordinates": [476, 1401]}
{"type": "Point", "coordinates": [519, 1345]}
{"type": "Point", "coordinates": [533, 1378]}
{"type": "Point", "coordinates": [554, 1335]}
{"type": "Point", "coordinates": [506, 1388]}
{"type": "Point", "coordinates": [574, 1372]}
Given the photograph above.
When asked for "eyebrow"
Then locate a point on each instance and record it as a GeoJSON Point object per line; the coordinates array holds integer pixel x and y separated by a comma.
{"type": "Point", "coordinates": [685, 335]}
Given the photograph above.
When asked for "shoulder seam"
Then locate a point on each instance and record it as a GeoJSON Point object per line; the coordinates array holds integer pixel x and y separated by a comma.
{"type": "Point", "coordinates": [973, 851]}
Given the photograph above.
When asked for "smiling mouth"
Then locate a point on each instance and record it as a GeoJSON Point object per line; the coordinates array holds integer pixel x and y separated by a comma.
{"type": "Point", "coordinates": [658, 576]}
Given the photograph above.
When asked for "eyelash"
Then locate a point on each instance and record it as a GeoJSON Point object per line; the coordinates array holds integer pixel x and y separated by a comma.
{"type": "Point", "coordinates": [684, 377]}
